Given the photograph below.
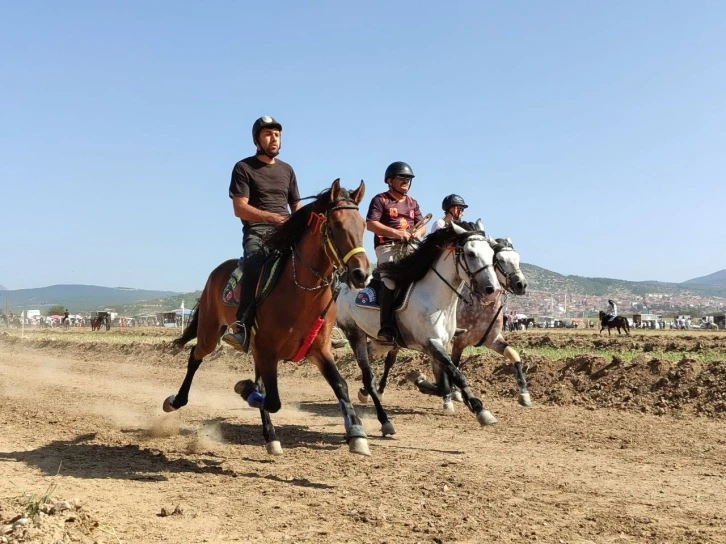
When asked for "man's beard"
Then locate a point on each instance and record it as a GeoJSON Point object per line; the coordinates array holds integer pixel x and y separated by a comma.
{"type": "Point", "coordinates": [268, 153]}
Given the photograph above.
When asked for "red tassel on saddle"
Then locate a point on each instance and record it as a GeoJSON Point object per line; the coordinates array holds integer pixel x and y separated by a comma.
{"type": "Point", "coordinates": [309, 338]}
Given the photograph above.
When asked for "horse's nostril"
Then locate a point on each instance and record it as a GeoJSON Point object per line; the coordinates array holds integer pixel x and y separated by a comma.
{"type": "Point", "coordinates": [519, 285]}
{"type": "Point", "coordinates": [489, 290]}
{"type": "Point", "coordinates": [359, 276]}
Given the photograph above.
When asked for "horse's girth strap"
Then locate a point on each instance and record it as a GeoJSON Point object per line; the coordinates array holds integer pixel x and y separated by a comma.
{"type": "Point", "coordinates": [352, 252]}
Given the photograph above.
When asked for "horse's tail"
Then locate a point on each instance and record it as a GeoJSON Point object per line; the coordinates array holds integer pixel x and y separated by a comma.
{"type": "Point", "coordinates": [626, 325]}
{"type": "Point", "coordinates": [190, 331]}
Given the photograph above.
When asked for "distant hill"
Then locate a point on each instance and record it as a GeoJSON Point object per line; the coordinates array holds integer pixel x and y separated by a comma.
{"type": "Point", "coordinates": [717, 278]}
{"type": "Point", "coordinates": [78, 298]}
{"type": "Point", "coordinates": [541, 279]}
{"type": "Point", "coordinates": [3, 288]}
{"type": "Point", "coordinates": [153, 306]}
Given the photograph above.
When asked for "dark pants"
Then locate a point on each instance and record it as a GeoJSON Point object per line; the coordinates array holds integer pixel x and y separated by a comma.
{"type": "Point", "coordinates": [255, 253]}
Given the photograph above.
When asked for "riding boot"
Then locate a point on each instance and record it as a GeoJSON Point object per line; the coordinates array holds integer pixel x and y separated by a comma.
{"type": "Point", "coordinates": [388, 331]}
{"type": "Point", "coordinates": [240, 339]}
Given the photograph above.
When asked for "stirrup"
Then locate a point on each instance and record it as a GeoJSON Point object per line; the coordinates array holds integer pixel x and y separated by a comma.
{"type": "Point", "coordinates": [240, 339]}
{"type": "Point", "coordinates": [387, 334]}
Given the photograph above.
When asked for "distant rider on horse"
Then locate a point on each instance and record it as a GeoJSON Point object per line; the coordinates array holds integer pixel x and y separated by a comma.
{"type": "Point", "coordinates": [612, 310]}
{"type": "Point", "coordinates": [261, 190]}
{"type": "Point", "coordinates": [392, 217]}
{"type": "Point", "coordinates": [453, 206]}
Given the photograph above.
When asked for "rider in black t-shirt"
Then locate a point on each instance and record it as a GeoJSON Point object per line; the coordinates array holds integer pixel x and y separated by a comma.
{"type": "Point", "coordinates": [261, 189]}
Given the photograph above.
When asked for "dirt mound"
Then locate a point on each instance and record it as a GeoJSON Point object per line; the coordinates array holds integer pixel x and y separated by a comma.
{"type": "Point", "coordinates": [645, 384]}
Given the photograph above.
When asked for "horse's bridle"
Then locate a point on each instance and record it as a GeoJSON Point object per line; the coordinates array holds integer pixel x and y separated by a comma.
{"type": "Point", "coordinates": [321, 222]}
{"type": "Point", "coordinates": [498, 248]}
{"type": "Point", "coordinates": [460, 262]}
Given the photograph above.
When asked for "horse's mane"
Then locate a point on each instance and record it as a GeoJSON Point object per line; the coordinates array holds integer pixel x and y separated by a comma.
{"type": "Point", "coordinates": [413, 267]}
{"type": "Point", "coordinates": [291, 231]}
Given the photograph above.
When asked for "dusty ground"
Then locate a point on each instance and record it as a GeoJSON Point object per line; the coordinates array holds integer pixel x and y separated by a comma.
{"type": "Point", "coordinates": [613, 450]}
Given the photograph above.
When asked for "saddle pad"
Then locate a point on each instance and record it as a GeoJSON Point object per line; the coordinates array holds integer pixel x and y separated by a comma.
{"type": "Point", "coordinates": [268, 278]}
{"type": "Point", "coordinates": [369, 295]}
{"type": "Point", "coordinates": [230, 294]}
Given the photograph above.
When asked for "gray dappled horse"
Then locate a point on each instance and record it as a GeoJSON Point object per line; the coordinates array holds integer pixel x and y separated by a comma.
{"type": "Point", "coordinates": [482, 322]}
{"type": "Point", "coordinates": [436, 271]}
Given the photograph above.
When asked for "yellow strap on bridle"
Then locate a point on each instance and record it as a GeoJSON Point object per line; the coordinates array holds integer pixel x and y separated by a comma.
{"type": "Point", "coordinates": [352, 252]}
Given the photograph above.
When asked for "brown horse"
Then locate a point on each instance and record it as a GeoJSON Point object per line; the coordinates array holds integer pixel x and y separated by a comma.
{"type": "Point", "coordinates": [617, 322]}
{"type": "Point", "coordinates": [319, 239]}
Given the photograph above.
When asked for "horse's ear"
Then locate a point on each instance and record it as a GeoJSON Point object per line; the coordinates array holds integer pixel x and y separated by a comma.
{"type": "Point", "coordinates": [479, 225]}
{"type": "Point", "coordinates": [457, 228]}
{"type": "Point", "coordinates": [335, 191]}
{"type": "Point", "coordinates": [357, 195]}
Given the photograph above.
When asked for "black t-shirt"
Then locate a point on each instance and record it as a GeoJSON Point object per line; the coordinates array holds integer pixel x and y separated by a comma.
{"type": "Point", "coordinates": [269, 187]}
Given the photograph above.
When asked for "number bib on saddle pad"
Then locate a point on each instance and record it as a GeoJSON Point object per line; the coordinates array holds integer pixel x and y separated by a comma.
{"type": "Point", "coordinates": [368, 296]}
{"type": "Point", "coordinates": [268, 278]}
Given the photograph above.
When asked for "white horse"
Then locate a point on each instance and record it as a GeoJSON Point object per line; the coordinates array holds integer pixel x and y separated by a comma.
{"type": "Point", "coordinates": [431, 278]}
{"type": "Point", "coordinates": [481, 323]}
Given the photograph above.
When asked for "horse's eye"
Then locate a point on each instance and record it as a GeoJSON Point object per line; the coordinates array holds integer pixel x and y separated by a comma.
{"type": "Point", "coordinates": [470, 253]}
{"type": "Point", "coordinates": [338, 224]}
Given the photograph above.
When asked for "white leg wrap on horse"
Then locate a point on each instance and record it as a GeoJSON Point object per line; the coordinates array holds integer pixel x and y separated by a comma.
{"type": "Point", "coordinates": [485, 417]}
{"type": "Point", "coordinates": [359, 446]}
{"type": "Point", "coordinates": [273, 447]}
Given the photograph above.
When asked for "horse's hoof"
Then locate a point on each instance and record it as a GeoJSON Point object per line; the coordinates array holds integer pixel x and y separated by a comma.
{"type": "Point", "coordinates": [359, 446]}
{"type": "Point", "coordinates": [273, 447]}
{"type": "Point", "coordinates": [238, 387]}
{"type": "Point", "coordinates": [456, 395]}
{"type": "Point", "coordinates": [525, 400]}
{"type": "Point", "coordinates": [337, 344]}
{"type": "Point", "coordinates": [449, 407]}
{"type": "Point", "coordinates": [381, 394]}
{"type": "Point", "coordinates": [362, 396]}
{"type": "Point", "coordinates": [485, 417]}
{"type": "Point", "coordinates": [387, 429]}
{"type": "Point", "coordinates": [168, 403]}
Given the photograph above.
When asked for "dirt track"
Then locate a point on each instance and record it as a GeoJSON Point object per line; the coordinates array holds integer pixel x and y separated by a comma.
{"type": "Point", "coordinates": [583, 465]}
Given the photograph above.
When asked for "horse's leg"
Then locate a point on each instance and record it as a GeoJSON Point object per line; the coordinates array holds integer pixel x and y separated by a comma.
{"type": "Point", "coordinates": [358, 341]}
{"type": "Point", "coordinates": [355, 435]}
{"type": "Point", "coordinates": [437, 351]}
{"type": "Point", "coordinates": [500, 346]}
{"type": "Point", "coordinates": [254, 394]}
{"type": "Point", "coordinates": [207, 331]}
{"type": "Point", "coordinates": [444, 384]}
{"type": "Point", "coordinates": [390, 359]}
{"type": "Point", "coordinates": [456, 351]}
{"type": "Point", "coordinates": [174, 402]}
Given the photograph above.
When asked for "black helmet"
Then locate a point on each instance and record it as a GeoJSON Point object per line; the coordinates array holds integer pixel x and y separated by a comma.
{"type": "Point", "coordinates": [398, 168]}
{"type": "Point", "coordinates": [610, 301]}
{"type": "Point", "coordinates": [453, 200]}
{"type": "Point", "coordinates": [264, 122]}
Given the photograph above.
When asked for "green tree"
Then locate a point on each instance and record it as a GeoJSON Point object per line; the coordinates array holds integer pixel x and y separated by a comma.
{"type": "Point", "coordinates": [56, 310]}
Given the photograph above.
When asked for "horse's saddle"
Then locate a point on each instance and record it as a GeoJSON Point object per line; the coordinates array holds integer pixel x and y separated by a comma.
{"type": "Point", "coordinates": [268, 278]}
{"type": "Point", "coordinates": [368, 296]}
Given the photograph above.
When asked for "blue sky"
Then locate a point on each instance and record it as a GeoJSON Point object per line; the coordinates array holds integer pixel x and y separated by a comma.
{"type": "Point", "coordinates": [592, 133]}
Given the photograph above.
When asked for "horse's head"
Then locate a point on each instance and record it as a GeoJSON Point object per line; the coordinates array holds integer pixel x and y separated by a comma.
{"type": "Point", "coordinates": [344, 233]}
{"type": "Point", "coordinates": [476, 258]}
{"type": "Point", "coordinates": [506, 263]}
